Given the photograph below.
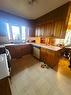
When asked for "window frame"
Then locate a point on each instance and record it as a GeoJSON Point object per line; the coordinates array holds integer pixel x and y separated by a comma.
{"type": "Point", "coordinates": [10, 34]}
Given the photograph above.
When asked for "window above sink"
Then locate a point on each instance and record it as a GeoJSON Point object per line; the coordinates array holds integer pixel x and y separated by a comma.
{"type": "Point", "coordinates": [17, 33]}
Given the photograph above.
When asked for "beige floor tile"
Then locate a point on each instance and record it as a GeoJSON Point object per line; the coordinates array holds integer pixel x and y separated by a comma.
{"type": "Point", "coordinates": [34, 80]}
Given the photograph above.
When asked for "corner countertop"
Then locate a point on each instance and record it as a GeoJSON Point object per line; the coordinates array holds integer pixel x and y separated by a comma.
{"type": "Point", "coordinates": [50, 47]}
{"type": "Point", "coordinates": [15, 44]}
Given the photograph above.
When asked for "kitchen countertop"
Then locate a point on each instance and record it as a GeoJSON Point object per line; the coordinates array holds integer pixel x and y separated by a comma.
{"type": "Point", "coordinates": [15, 44]}
{"type": "Point", "coordinates": [50, 47]}
{"type": "Point", "coordinates": [2, 46]}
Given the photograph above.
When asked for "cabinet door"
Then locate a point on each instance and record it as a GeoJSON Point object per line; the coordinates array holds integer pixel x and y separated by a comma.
{"type": "Point", "coordinates": [52, 58]}
{"type": "Point", "coordinates": [18, 51]}
{"type": "Point", "coordinates": [5, 87]}
{"type": "Point", "coordinates": [49, 57]}
{"type": "Point", "coordinates": [59, 29]}
{"type": "Point", "coordinates": [39, 31]}
{"type": "Point", "coordinates": [43, 54]}
{"type": "Point", "coordinates": [26, 49]}
{"type": "Point", "coordinates": [12, 51]}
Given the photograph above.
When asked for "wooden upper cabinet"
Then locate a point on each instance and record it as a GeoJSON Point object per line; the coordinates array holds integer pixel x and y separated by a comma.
{"type": "Point", "coordinates": [39, 31]}
{"type": "Point", "coordinates": [58, 29]}
{"type": "Point", "coordinates": [45, 30]}
{"type": "Point", "coordinates": [52, 28]}
{"type": "Point", "coordinates": [54, 23]}
{"type": "Point", "coordinates": [55, 28]}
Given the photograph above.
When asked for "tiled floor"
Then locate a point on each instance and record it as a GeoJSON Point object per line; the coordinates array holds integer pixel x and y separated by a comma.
{"type": "Point", "coordinates": [31, 79]}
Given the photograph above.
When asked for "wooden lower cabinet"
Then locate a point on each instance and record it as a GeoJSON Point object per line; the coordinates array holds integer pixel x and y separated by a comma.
{"type": "Point", "coordinates": [17, 51]}
{"type": "Point", "coordinates": [49, 57]}
{"type": "Point", "coordinates": [5, 87]}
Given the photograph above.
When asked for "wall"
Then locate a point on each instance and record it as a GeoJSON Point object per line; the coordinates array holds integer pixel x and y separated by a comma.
{"type": "Point", "coordinates": [14, 20]}
{"type": "Point", "coordinates": [53, 23]}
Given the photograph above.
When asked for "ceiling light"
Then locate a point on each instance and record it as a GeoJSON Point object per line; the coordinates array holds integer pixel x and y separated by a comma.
{"type": "Point", "coordinates": [30, 2]}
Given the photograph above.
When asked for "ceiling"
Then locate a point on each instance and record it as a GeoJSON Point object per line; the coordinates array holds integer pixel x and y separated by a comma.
{"type": "Point", "coordinates": [33, 11]}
